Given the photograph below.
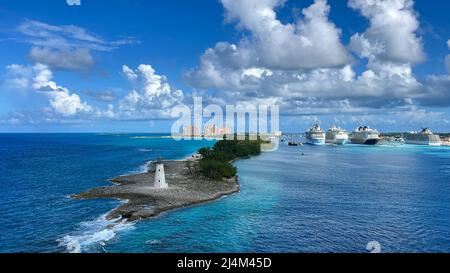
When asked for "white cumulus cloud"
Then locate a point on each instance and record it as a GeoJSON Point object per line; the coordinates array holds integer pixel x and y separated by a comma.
{"type": "Point", "coordinates": [152, 95]}
{"type": "Point", "coordinates": [304, 66]}
{"type": "Point", "coordinates": [391, 36]}
{"type": "Point", "coordinates": [310, 42]}
{"type": "Point", "coordinates": [61, 100]}
{"type": "Point", "coordinates": [40, 78]}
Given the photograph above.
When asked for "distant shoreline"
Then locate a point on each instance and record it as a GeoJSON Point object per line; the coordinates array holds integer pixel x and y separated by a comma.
{"type": "Point", "coordinates": [149, 137]}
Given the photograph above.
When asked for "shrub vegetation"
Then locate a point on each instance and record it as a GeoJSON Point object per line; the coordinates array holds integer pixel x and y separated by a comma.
{"type": "Point", "coordinates": [216, 162]}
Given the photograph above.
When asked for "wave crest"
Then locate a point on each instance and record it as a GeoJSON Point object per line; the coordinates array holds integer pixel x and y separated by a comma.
{"type": "Point", "coordinates": [92, 236]}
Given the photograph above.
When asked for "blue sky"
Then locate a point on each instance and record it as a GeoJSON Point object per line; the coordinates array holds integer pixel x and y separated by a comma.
{"type": "Point", "coordinates": [122, 65]}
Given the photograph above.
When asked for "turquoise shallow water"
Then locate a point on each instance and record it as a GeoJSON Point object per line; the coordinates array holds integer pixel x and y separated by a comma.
{"type": "Point", "coordinates": [332, 199]}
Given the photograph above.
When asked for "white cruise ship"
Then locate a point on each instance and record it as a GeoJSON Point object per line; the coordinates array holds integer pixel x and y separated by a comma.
{"type": "Point", "coordinates": [336, 135]}
{"type": "Point", "coordinates": [365, 135]}
{"type": "Point", "coordinates": [315, 135]}
{"type": "Point", "coordinates": [424, 137]}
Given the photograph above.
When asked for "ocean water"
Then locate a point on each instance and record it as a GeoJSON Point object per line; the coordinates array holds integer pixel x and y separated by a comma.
{"type": "Point", "coordinates": [331, 199]}
{"type": "Point", "coordinates": [40, 172]}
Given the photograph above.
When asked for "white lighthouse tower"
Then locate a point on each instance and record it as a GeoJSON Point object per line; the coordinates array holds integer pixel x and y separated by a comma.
{"type": "Point", "coordinates": [160, 176]}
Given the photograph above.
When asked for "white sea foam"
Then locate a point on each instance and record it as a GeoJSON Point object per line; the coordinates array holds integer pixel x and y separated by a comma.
{"type": "Point", "coordinates": [143, 168]}
{"type": "Point", "coordinates": [153, 242]}
{"type": "Point", "coordinates": [92, 236]}
{"type": "Point", "coordinates": [144, 150]}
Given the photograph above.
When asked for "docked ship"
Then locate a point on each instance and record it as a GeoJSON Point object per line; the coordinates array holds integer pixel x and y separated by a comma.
{"type": "Point", "coordinates": [315, 135]}
{"type": "Point", "coordinates": [424, 137]}
{"type": "Point", "coordinates": [365, 135]}
{"type": "Point", "coordinates": [336, 135]}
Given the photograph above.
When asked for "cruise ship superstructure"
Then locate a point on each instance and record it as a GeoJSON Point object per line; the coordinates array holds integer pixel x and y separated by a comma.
{"type": "Point", "coordinates": [336, 135]}
{"type": "Point", "coordinates": [315, 135]}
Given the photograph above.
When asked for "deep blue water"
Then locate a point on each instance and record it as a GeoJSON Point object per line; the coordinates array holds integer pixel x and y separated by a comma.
{"type": "Point", "coordinates": [332, 199]}
{"type": "Point", "coordinates": [40, 171]}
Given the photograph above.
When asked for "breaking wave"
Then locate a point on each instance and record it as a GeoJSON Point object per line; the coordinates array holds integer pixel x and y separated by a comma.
{"type": "Point", "coordinates": [92, 236]}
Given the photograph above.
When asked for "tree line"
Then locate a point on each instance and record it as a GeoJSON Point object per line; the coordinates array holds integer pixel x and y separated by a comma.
{"type": "Point", "coordinates": [216, 162]}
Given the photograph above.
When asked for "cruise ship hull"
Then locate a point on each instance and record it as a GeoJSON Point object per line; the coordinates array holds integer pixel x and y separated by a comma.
{"type": "Point", "coordinates": [372, 141]}
{"type": "Point", "coordinates": [422, 142]}
{"type": "Point", "coordinates": [337, 141]}
{"type": "Point", "coordinates": [315, 141]}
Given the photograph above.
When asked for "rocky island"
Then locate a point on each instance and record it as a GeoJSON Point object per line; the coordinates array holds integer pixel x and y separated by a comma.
{"type": "Point", "coordinates": [202, 178]}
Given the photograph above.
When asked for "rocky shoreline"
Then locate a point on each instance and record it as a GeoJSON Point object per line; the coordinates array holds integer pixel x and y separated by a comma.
{"type": "Point", "coordinates": [186, 188]}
